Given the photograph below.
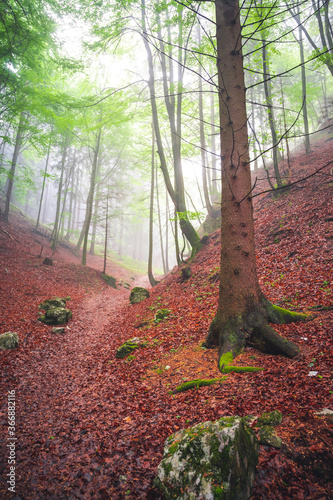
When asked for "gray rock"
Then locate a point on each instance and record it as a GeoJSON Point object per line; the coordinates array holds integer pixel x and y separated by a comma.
{"type": "Point", "coordinates": [9, 340]}
{"type": "Point", "coordinates": [212, 460]}
{"type": "Point", "coordinates": [138, 294]}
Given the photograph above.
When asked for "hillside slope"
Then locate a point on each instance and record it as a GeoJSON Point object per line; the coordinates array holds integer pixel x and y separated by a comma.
{"type": "Point", "coordinates": [92, 426]}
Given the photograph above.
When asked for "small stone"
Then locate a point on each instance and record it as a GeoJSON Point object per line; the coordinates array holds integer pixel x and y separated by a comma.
{"type": "Point", "coordinates": [324, 411]}
{"type": "Point", "coordinates": [59, 329]}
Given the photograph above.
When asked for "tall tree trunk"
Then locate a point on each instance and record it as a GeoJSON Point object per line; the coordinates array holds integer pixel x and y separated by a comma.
{"type": "Point", "coordinates": [11, 176]}
{"type": "Point", "coordinates": [176, 193]}
{"type": "Point", "coordinates": [71, 210]}
{"type": "Point", "coordinates": [90, 201]}
{"type": "Point", "coordinates": [214, 213]}
{"type": "Point", "coordinates": [152, 280]}
{"type": "Point", "coordinates": [305, 107]}
{"type": "Point", "coordinates": [44, 180]}
{"type": "Point", "coordinates": [56, 227]}
{"type": "Point", "coordinates": [160, 223]}
{"type": "Point", "coordinates": [243, 312]}
{"type": "Point", "coordinates": [166, 232]}
{"type": "Point", "coordinates": [270, 111]}
{"type": "Point", "coordinates": [106, 231]}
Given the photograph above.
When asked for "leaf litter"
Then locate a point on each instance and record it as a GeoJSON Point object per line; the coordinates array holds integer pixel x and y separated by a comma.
{"type": "Point", "coordinates": [91, 426]}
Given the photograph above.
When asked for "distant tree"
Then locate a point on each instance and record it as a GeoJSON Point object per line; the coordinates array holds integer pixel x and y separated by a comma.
{"type": "Point", "coordinates": [243, 312]}
{"type": "Point", "coordinates": [11, 175]}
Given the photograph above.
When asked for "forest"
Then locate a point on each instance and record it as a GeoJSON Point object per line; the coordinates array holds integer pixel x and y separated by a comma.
{"type": "Point", "coordinates": [180, 151]}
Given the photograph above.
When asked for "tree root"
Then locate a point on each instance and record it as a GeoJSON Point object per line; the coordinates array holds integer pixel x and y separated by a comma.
{"type": "Point", "coordinates": [252, 328]}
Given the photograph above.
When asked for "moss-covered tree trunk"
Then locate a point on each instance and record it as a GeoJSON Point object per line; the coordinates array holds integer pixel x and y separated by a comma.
{"type": "Point", "coordinates": [243, 314]}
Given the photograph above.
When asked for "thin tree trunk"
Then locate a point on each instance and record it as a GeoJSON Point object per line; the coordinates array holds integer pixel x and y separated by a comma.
{"type": "Point", "coordinates": [152, 280]}
{"type": "Point", "coordinates": [11, 177]}
{"type": "Point", "coordinates": [177, 194]}
{"type": "Point", "coordinates": [305, 107]}
{"type": "Point", "coordinates": [270, 110]}
{"type": "Point", "coordinates": [166, 232]}
{"type": "Point", "coordinates": [106, 231]}
{"type": "Point", "coordinates": [90, 200]}
{"type": "Point", "coordinates": [286, 135]}
{"type": "Point", "coordinates": [214, 213]}
{"type": "Point", "coordinates": [160, 224]}
{"type": "Point", "coordinates": [44, 180]}
{"type": "Point", "coordinates": [56, 227]}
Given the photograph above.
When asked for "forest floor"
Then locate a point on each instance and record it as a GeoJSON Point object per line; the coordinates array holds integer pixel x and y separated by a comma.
{"type": "Point", "coordinates": [91, 426]}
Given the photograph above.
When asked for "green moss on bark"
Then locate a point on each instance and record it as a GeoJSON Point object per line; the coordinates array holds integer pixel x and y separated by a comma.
{"type": "Point", "coordinates": [280, 316]}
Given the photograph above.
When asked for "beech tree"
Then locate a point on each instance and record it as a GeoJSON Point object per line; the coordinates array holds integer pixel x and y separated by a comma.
{"type": "Point", "coordinates": [243, 312]}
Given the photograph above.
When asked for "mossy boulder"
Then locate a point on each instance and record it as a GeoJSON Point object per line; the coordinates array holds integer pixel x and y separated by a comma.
{"type": "Point", "coordinates": [9, 340]}
{"type": "Point", "coordinates": [56, 316]}
{"type": "Point", "coordinates": [212, 460]}
{"type": "Point", "coordinates": [56, 312]}
{"type": "Point", "coordinates": [161, 314]}
{"type": "Point", "coordinates": [50, 303]}
{"type": "Point", "coordinates": [138, 294]}
{"type": "Point", "coordinates": [129, 346]}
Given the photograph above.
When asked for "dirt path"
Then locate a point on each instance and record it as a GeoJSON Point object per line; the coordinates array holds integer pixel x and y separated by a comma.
{"type": "Point", "coordinates": [57, 402]}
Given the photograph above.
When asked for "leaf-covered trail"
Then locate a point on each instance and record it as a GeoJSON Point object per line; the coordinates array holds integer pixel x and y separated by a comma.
{"type": "Point", "coordinates": [61, 409]}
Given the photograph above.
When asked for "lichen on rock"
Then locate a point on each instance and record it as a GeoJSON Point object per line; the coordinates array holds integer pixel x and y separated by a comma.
{"type": "Point", "coordinates": [212, 460]}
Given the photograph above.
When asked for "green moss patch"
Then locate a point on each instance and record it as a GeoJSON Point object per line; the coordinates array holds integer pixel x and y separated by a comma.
{"type": "Point", "coordinates": [196, 384]}
{"type": "Point", "coordinates": [241, 369]}
{"type": "Point", "coordinates": [271, 418]}
{"type": "Point", "coordinates": [225, 360]}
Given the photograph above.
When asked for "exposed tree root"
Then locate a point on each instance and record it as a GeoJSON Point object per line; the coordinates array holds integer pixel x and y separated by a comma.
{"type": "Point", "coordinates": [252, 328]}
